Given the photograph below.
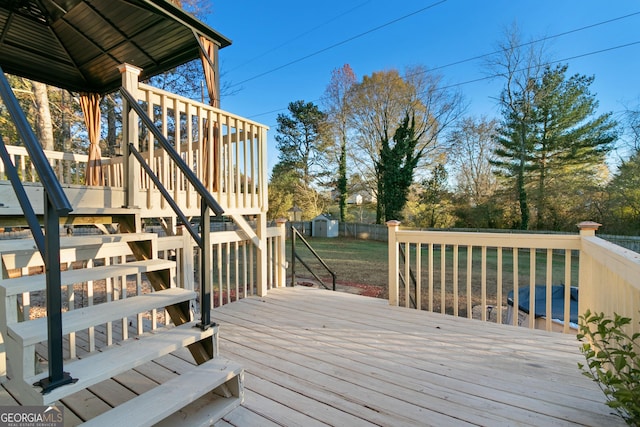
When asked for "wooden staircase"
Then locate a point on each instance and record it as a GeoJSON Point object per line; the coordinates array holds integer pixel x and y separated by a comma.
{"type": "Point", "coordinates": [129, 295]}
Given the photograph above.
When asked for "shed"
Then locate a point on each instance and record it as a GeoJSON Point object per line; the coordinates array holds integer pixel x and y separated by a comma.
{"type": "Point", "coordinates": [323, 226]}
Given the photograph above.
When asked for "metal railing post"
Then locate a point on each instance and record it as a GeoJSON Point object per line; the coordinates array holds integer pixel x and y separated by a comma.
{"type": "Point", "coordinates": [293, 256]}
{"type": "Point", "coordinates": [205, 266]}
{"type": "Point", "coordinates": [56, 204]}
{"type": "Point", "coordinates": [57, 376]}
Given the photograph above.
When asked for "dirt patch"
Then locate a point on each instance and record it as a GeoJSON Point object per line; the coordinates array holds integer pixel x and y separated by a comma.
{"type": "Point", "coordinates": [349, 287]}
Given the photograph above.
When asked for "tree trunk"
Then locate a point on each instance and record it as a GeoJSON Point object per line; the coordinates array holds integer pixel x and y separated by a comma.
{"type": "Point", "coordinates": [380, 202]}
{"type": "Point", "coordinates": [342, 179]}
{"type": "Point", "coordinates": [111, 126]}
{"type": "Point", "coordinates": [44, 124]}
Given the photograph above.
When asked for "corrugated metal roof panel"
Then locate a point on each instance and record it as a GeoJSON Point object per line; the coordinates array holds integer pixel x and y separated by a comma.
{"type": "Point", "coordinates": [78, 44]}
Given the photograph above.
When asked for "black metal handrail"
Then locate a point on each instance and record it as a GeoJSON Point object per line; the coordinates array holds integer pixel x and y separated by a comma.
{"type": "Point", "coordinates": [175, 156]}
{"type": "Point", "coordinates": [294, 255]}
{"type": "Point", "coordinates": [413, 278]}
{"type": "Point", "coordinates": [206, 202]}
{"type": "Point", "coordinates": [56, 204]}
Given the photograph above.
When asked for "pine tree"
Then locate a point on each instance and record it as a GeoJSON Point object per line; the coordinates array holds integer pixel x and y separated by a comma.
{"type": "Point", "coordinates": [569, 138]}
{"type": "Point", "coordinates": [551, 133]}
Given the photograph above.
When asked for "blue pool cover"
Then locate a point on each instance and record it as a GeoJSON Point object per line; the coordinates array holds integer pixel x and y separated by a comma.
{"type": "Point", "coordinates": [557, 301]}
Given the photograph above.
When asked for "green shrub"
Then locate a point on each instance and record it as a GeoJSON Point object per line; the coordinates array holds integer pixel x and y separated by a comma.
{"type": "Point", "coordinates": [613, 361]}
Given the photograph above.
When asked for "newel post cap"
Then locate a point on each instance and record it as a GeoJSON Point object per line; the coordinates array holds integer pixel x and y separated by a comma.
{"type": "Point", "coordinates": [588, 227]}
{"type": "Point", "coordinates": [281, 220]}
{"type": "Point", "coordinates": [392, 223]}
{"type": "Point", "coordinates": [128, 68]}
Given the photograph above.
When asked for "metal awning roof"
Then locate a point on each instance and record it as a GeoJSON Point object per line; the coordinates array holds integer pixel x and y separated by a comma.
{"type": "Point", "coordinates": [79, 44]}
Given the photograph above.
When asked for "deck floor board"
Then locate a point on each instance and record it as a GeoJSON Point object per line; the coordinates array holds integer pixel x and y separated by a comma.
{"type": "Point", "coordinates": [388, 365]}
{"type": "Point", "coordinates": [314, 357]}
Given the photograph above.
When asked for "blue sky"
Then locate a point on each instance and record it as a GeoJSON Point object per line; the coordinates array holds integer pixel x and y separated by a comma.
{"type": "Point", "coordinates": [268, 35]}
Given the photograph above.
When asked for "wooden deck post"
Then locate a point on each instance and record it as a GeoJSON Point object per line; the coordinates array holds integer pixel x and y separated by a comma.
{"type": "Point", "coordinates": [587, 293]}
{"type": "Point", "coordinates": [261, 255]}
{"type": "Point", "coordinates": [394, 262]}
{"type": "Point", "coordinates": [281, 264]}
{"type": "Point", "coordinates": [131, 167]}
{"type": "Point", "coordinates": [187, 262]}
{"type": "Point", "coordinates": [3, 361]}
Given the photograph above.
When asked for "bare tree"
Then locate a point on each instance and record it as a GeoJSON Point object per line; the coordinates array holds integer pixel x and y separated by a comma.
{"type": "Point", "coordinates": [520, 66]}
{"type": "Point", "coordinates": [338, 109]}
{"type": "Point", "coordinates": [472, 146]}
{"type": "Point", "coordinates": [380, 104]}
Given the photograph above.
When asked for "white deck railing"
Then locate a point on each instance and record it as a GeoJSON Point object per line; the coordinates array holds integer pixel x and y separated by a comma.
{"type": "Point", "coordinates": [238, 177]}
{"type": "Point", "coordinates": [70, 168]}
{"type": "Point", "coordinates": [235, 262]}
{"type": "Point", "coordinates": [455, 272]}
{"type": "Point", "coordinates": [238, 181]}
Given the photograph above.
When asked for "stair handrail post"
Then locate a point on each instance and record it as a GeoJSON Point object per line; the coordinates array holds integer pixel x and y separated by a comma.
{"type": "Point", "coordinates": [205, 266]}
{"type": "Point", "coordinates": [131, 173]}
{"type": "Point", "coordinates": [293, 255]}
{"type": "Point", "coordinates": [56, 204]}
{"type": "Point", "coordinates": [57, 376]}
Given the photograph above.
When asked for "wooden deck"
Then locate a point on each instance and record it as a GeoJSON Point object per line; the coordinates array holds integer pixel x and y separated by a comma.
{"type": "Point", "coordinates": [315, 357]}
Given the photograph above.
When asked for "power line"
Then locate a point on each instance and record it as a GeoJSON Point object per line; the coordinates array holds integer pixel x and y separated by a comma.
{"type": "Point", "coordinates": [299, 36]}
{"type": "Point", "coordinates": [608, 21]}
{"type": "Point", "coordinates": [597, 24]}
{"type": "Point", "coordinates": [340, 43]}
{"type": "Point", "coordinates": [479, 79]}
{"type": "Point", "coordinates": [594, 52]}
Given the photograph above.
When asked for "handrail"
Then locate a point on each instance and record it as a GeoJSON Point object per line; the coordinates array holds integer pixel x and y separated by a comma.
{"type": "Point", "coordinates": [156, 181]}
{"type": "Point", "coordinates": [23, 199]}
{"type": "Point", "coordinates": [48, 178]}
{"type": "Point", "coordinates": [182, 165]}
{"type": "Point", "coordinates": [56, 204]}
{"type": "Point", "coordinates": [206, 202]}
{"type": "Point", "coordinates": [413, 278]}
{"type": "Point", "coordinates": [294, 256]}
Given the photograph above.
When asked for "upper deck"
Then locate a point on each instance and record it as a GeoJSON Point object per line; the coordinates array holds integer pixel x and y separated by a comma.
{"type": "Point", "coordinates": [233, 167]}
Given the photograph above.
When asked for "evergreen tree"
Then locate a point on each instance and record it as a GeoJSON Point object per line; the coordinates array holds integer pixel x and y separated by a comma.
{"type": "Point", "coordinates": [302, 165]}
{"type": "Point", "coordinates": [568, 137]}
{"type": "Point", "coordinates": [395, 167]}
{"type": "Point", "coordinates": [299, 141]}
{"type": "Point", "coordinates": [434, 191]}
{"type": "Point", "coordinates": [551, 137]}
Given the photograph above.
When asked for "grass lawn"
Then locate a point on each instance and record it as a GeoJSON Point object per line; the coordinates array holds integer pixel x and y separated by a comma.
{"type": "Point", "coordinates": [354, 261]}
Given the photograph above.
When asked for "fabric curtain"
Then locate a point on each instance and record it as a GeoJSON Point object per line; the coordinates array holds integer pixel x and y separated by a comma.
{"type": "Point", "coordinates": [208, 55]}
{"type": "Point", "coordinates": [90, 104]}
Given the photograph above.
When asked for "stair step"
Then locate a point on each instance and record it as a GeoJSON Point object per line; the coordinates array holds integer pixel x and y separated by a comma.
{"type": "Point", "coordinates": [24, 253]}
{"type": "Point", "coordinates": [13, 216]}
{"type": "Point", "coordinates": [37, 282]}
{"type": "Point", "coordinates": [164, 401]}
{"type": "Point", "coordinates": [119, 358]}
{"type": "Point", "coordinates": [28, 245]}
{"type": "Point", "coordinates": [34, 331]}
